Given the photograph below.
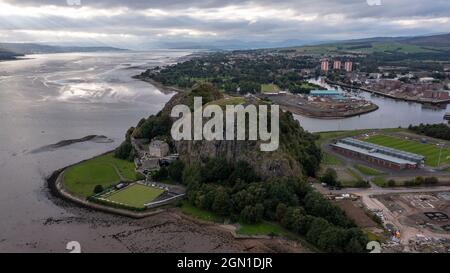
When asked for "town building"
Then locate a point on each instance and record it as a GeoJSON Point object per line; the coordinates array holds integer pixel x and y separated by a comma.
{"type": "Point", "coordinates": [337, 65]}
{"type": "Point", "coordinates": [437, 95]}
{"type": "Point", "coordinates": [378, 155]}
{"type": "Point", "coordinates": [426, 79]}
{"type": "Point", "coordinates": [158, 148]}
{"type": "Point", "coordinates": [325, 65]}
{"type": "Point", "coordinates": [325, 93]}
{"type": "Point", "coordinates": [348, 66]}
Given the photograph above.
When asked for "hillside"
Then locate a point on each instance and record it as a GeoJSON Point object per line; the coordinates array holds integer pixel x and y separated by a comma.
{"type": "Point", "coordinates": [28, 48]}
{"type": "Point", "coordinates": [407, 45]}
{"type": "Point", "coordinates": [7, 55]}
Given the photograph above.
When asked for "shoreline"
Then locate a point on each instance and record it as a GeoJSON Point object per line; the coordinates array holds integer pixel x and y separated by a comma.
{"type": "Point", "coordinates": [56, 187]}
{"type": "Point", "coordinates": [161, 87]}
{"type": "Point", "coordinates": [54, 183]}
{"type": "Point", "coordinates": [299, 111]}
{"type": "Point", "coordinates": [421, 101]}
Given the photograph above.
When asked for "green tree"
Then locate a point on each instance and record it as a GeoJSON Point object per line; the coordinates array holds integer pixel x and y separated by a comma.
{"type": "Point", "coordinates": [329, 177]}
{"type": "Point", "coordinates": [222, 204]}
{"type": "Point", "coordinates": [175, 170]}
{"type": "Point", "coordinates": [98, 189]}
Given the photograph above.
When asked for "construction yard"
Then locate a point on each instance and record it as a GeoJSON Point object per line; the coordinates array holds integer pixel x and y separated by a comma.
{"type": "Point", "coordinates": [422, 220]}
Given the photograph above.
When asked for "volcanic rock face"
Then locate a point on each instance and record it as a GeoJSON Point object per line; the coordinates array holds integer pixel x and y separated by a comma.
{"type": "Point", "coordinates": [296, 154]}
{"type": "Point", "coordinates": [266, 164]}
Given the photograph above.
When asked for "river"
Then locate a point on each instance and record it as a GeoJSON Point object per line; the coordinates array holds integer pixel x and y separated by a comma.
{"type": "Point", "coordinates": [391, 114]}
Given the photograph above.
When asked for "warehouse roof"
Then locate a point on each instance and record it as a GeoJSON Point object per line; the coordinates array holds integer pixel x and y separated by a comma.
{"type": "Point", "coordinates": [325, 92]}
{"type": "Point", "coordinates": [374, 153]}
{"type": "Point", "coordinates": [384, 150]}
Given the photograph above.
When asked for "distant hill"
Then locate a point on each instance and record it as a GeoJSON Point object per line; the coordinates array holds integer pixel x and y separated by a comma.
{"type": "Point", "coordinates": [28, 48]}
{"type": "Point", "coordinates": [7, 55]}
{"type": "Point", "coordinates": [419, 44]}
{"type": "Point", "coordinates": [435, 40]}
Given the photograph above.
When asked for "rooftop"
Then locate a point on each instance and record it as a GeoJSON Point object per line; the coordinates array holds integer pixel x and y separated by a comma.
{"type": "Point", "coordinates": [379, 151]}
{"type": "Point", "coordinates": [157, 143]}
{"type": "Point", "coordinates": [325, 92]}
{"type": "Point", "coordinates": [374, 154]}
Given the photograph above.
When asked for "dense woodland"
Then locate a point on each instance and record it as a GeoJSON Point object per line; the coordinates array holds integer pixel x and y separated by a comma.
{"type": "Point", "coordinates": [233, 190]}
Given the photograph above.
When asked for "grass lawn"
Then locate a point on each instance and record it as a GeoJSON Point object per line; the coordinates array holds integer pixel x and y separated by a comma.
{"type": "Point", "coordinates": [201, 214]}
{"type": "Point", "coordinates": [355, 182]}
{"type": "Point", "coordinates": [323, 136]}
{"type": "Point", "coordinates": [380, 181]}
{"type": "Point", "coordinates": [228, 101]}
{"type": "Point", "coordinates": [430, 151]}
{"type": "Point", "coordinates": [374, 237]}
{"type": "Point", "coordinates": [135, 195]}
{"type": "Point", "coordinates": [262, 228]}
{"type": "Point", "coordinates": [367, 170]}
{"type": "Point", "coordinates": [269, 88]}
{"type": "Point", "coordinates": [82, 178]}
{"type": "Point", "coordinates": [329, 159]}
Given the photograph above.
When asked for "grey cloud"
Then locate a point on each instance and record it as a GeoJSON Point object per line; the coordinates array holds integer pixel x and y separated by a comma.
{"type": "Point", "coordinates": [355, 19]}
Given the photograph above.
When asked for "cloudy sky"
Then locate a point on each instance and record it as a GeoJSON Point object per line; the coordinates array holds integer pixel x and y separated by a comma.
{"type": "Point", "coordinates": [140, 24]}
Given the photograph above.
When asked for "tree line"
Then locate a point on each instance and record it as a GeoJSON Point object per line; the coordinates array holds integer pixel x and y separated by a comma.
{"type": "Point", "coordinates": [234, 190]}
{"type": "Point", "coordinates": [441, 131]}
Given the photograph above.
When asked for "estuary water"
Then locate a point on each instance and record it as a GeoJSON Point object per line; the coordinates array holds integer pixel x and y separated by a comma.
{"type": "Point", "coordinates": [45, 99]}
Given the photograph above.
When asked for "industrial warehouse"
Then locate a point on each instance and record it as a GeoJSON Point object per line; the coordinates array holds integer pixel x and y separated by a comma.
{"type": "Point", "coordinates": [378, 155]}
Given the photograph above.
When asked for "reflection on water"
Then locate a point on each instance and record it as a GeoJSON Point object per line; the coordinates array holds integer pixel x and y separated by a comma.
{"type": "Point", "coordinates": [392, 114]}
{"type": "Point", "coordinates": [50, 98]}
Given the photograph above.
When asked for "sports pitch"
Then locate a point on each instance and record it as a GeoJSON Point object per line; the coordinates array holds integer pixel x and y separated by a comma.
{"type": "Point", "coordinates": [135, 195]}
{"type": "Point", "coordinates": [430, 151]}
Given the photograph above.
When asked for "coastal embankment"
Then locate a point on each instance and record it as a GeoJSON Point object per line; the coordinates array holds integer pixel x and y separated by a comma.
{"type": "Point", "coordinates": [409, 99]}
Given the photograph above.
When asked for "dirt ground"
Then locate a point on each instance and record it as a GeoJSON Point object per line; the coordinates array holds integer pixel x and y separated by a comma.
{"type": "Point", "coordinates": [356, 213]}
{"type": "Point", "coordinates": [343, 174]}
{"type": "Point", "coordinates": [411, 210]}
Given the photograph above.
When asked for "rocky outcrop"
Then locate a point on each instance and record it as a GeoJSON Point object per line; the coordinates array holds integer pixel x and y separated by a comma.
{"type": "Point", "coordinates": [266, 164]}
{"type": "Point", "coordinates": [286, 161]}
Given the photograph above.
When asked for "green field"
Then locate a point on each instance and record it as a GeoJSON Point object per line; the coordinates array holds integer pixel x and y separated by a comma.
{"type": "Point", "coordinates": [135, 195]}
{"type": "Point", "coordinates": [263, 228]}
{"type": "Point", "coordinates": [356, 182]}
{"type": "Point", "coordinates": [269, 88]}
{"type": "Point", "coordinates": [329, 159]}
{"type": "Point", "coordinates": [201, 214]}
{"type": "Point", "coordinates": [380, 181]}
{"type": "Point", "coordinates": [367, 170]}
{"type": "Point", "coordinates": [430, 151]}
{"type": "Point", "coordinates": [105, 170]}
{"type": "Point", "coordinates": [366, 47]}
{"type": "Point", "coordinates": [228, 101]}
